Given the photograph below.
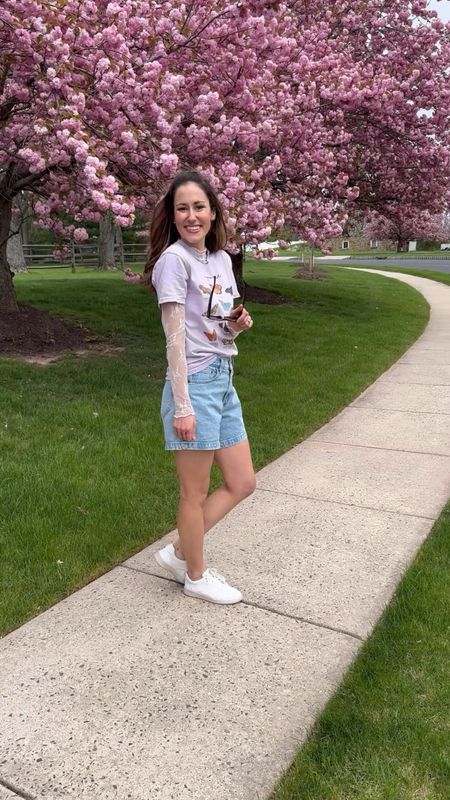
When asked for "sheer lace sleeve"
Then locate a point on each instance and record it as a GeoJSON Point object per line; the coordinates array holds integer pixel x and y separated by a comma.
{"type": "Point", "coordinates": [230, 332]}
{"type": "Point", "coordinates": [172, 316]}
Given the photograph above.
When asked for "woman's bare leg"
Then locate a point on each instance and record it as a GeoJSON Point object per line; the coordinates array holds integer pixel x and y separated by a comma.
{"type": "Point", "coordinates": [194, 470]}
{"type": "Point", "coordinates": [235, 464]}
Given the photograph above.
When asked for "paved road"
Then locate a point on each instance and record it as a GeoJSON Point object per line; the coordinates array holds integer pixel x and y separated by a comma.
{"type": "Point", "coordinates": [435, 264]}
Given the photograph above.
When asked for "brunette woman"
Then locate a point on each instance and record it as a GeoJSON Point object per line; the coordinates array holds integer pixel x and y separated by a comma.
{"type": "Point", "coordinates": [200, 409]}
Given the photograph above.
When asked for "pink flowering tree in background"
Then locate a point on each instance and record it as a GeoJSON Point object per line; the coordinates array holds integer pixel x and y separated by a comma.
{"type": "Point", "coordinates": [405, 224]}
{"type": "Point", "coordinates": [298, 113]}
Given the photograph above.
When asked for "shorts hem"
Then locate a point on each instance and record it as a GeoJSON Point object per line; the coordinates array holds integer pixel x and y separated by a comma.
{"type": "Point", "coordinates": [192, 445]}
{"type": "Point", "coordinates": [231, 442]}
{"type": "Point", "coordinates": [205, 445]}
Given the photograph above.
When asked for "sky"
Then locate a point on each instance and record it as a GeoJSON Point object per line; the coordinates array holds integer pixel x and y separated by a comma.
{"type": "Point", "coordinates": [443, 8]}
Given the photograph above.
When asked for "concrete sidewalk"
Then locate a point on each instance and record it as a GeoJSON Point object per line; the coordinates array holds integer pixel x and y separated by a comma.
{"type": "Point", "coordinates": [129, 689]}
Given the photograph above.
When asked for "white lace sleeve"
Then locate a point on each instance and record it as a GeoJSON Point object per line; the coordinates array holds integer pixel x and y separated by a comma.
{"type": "Point", "coordinates": [230, 332]}
{"type": "Point", "coordinates": [172, 316]}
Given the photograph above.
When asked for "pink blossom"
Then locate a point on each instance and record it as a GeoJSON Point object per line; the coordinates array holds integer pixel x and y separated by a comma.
{"type": "Point", "coordinates": [131, 277]}
{"type": "Point", "coordinates": [169, 164]}
{"type": "Point", "coordinates": [283, 106]}
{"type": "Point", "coordinates": [80, 235]}
{"type": "Point", "coordinates": [61, 253]}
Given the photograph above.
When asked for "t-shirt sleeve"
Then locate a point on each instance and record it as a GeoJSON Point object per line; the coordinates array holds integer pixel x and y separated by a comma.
{"type": "Point", "coordinates": [231, 276]}
{"type": "Point", "coordinates": [170, 279]}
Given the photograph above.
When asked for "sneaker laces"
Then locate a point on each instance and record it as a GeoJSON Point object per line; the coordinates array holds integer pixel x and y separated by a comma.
{"type": "Point", "coordinates": [212, 573]}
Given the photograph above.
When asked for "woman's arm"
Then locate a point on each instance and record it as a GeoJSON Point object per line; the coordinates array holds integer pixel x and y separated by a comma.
{"type": "Point", "coordinates": [173, 317]}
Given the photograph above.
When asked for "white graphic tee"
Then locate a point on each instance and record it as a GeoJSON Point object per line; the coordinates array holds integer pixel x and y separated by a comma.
{"type": "Point", "coordinates": [180, 277]}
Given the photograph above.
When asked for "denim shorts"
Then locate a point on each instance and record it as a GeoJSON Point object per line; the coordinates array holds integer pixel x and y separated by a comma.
{"type": "Point", "coordinates": [216, 405]}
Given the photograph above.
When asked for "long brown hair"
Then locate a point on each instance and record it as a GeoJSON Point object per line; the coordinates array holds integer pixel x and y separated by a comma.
{"type": "Point", "coordinates": [163, 231]}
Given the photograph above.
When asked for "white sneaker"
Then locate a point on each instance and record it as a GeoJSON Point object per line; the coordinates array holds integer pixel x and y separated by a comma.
{"type": "Point", "coordinates": [167, 559]}
{"type": "Point", "coordinates": [213, 587]}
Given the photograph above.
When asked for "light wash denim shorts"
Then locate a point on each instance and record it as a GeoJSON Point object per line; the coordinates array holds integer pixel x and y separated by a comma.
{"type": "Point", "coordinates": [216, 405]}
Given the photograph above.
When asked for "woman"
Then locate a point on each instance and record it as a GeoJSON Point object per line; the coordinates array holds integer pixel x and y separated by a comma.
{"type": "Point", "coordinates": [200, 409]}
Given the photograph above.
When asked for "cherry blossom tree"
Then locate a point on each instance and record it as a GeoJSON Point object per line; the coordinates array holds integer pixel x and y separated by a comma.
{"type": "Point", "coordinates": [298, 112]}
{"type": "Point", "coordinates": [405, 224]}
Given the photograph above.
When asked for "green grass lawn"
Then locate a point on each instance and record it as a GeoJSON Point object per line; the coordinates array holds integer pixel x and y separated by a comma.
{"type": "Point", "coordinates": [441, 277]}
{"type": "Point", "coordinates": [85, 482]}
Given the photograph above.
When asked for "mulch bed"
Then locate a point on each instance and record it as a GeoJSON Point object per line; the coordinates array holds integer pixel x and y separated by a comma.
{"type": "Point", "coordinates": [256, 295]}
{"type": "Point", "coordinates": [315, 275]}
{"type": "Point", "coordinates": [31, 331]}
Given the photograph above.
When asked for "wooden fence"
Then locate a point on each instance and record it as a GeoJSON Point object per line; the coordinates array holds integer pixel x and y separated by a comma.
{"type": "Point", "coordinates": [40, 256]}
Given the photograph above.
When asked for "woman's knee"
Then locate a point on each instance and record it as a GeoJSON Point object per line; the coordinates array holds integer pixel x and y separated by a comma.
{"type": "Point", "coordinates": [194, 469]}
{"type": "Point", "coordinates": [193, 495]}
{"type": "Point", "coordinates": [244, 486]}
{"type": "Point", "coordinates": [250, 484]}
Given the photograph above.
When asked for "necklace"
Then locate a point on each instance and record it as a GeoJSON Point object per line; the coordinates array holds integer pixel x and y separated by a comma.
{"type": "Point", "coordinates": [202, 255]}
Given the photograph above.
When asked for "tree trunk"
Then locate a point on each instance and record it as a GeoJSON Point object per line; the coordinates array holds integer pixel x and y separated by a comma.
{"type": "Point", "coordinates": [311, 263]}
{"type": "Point", "coordinates": [23, 199]}
{"type": "Point", "coordinates": [8, 302]}
{"type": "Point", "coordinates": [119, 246]}
{"type": "Point", "coordinates": [106, 242]}
{"type": "Point", "coordinates": [14, 249]}
{"type": "Point", "coordinates": [402, 245]}
{"type": "Point", "coordinates": [237, 262]}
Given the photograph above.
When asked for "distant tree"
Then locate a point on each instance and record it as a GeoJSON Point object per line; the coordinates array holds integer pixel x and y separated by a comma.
{"type": "Point", "coordinates": [404, 225]}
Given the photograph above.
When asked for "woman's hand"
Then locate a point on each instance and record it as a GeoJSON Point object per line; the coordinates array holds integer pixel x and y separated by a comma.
{"type": "Point", "coordinates": [242, 321]}
{"type": "Point", "coordinates": [184, 428]}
